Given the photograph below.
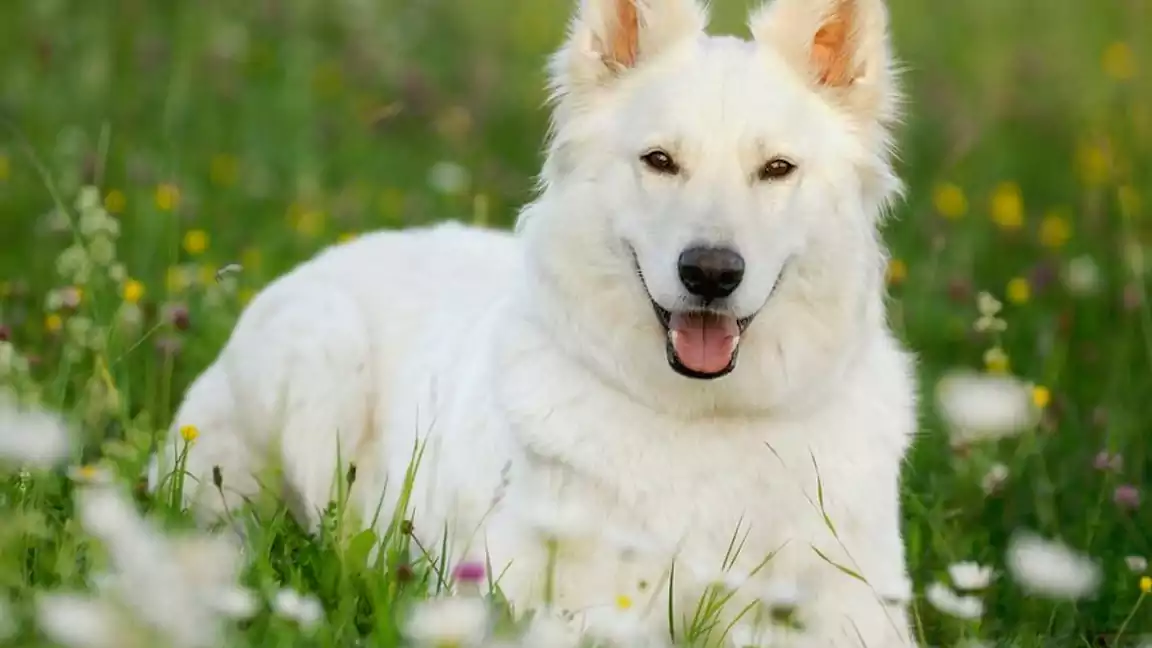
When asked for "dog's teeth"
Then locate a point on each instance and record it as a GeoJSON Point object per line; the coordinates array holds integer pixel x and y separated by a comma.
{"type": "Point", "coordinates": [673, 335]}
{"type": "Point", "coordinates": [735, 341]}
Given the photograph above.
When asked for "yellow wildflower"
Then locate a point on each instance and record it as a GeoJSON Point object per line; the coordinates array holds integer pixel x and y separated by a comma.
{"type": "Point", "coordinates": [1041, 396]}
{"type": "Point", "coordinates": [223, 170]}
{"type": "Point", "coordinates": [1095, 163]}
{"type": "Point", "coordinates": [5, 168]}
{"type": "Point", "coordinates": [996, 361]}
{"type": "Point", "coordinates": [189, 433]}
{"type": "Point", "coordinates": [195, 242]}
{"type": "Point", "coordinates": [53, 323]}
{"type": "Point", "coordinates": [1055, 230]}
{"type": "Point", "coordinates": [949, 200]}
{"type": "Point", "coordinates": [133, 291]}
{"type": "Point", "coordinates": [115, 201]}
{"type": "Point", "coordinates": [897, 271]}
{"type": "Point", "coordinates": [167, 196]}
{"type": "Point", "coordinates": [1018, 291]}
{"type": "Point", "coordinates": [347, 236]}
{"type": "Point", "coordinates": [1119, 61]}
{"type": "Point", "coordinates": [1146, 584]}
{"type": "Point", "coordinates": [624, 602]}
{"type": "Point", "coordinates": [1008, 206]}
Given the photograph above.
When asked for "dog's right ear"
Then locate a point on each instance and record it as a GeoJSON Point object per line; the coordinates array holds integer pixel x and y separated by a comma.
{"type": "Point", "coordinates": [608, 37]}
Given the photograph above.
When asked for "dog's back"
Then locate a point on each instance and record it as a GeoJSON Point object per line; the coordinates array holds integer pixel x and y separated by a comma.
{"type": "Point", "coordinates": [312, 358]}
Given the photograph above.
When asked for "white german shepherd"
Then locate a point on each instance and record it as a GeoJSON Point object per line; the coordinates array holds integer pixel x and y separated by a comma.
{"type": "Point", "coordinates": [683, 341]}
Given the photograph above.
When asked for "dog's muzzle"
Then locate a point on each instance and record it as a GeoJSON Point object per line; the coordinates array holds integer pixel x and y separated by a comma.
{"type": "Point", "coordinates": [700, 343]}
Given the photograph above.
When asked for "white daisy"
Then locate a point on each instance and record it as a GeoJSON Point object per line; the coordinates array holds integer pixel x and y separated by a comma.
{"type": "Point", "coordinates": [449, 621]}
{"type": "Point", "coordinates": [1137, 564]}
{"type": "Point", "coordinates": [970, 576]}
{"type": "Point", "coordinates": [148, 575]}
{"type": "Point", "coordinates": [32, 437]}
{"type": "Point", "coordinates": [236, 603]}
{"type": "Point", "coordinates": [79, 621]}
{"type": "Point", "coordinates": [962, 607]}
{"type": "Point", "coordinates": [620, 627]}
{"type": "Point", "coordinates": [1050, 569]}
{"type": "Point", "coordinates": [448, 178]}
{"type": "Point", "coordinates": [1082, 276]}
{"type": "Point", "coordinates": [979, 407]}
{"type": "Point", "coordinates": [304, 609]}
{"type": "Point", "coordinates": [994, 479]}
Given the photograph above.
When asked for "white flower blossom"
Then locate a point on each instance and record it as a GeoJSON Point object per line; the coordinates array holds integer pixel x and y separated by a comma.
{"type": "Point", "coordinates": [620, 628]}
{"type": "Point", "coordinates": [235, 603]}
{"type": "Point", "coordinates": [1137, 564]}
{"type": "Point", "coordinates": [1082, 276]}
{"type": "Point", "coordinates": [149, 575]}
{"type": "Point", "coordinates": [942, 598]}
{"type": "Point", "coordinates": [1050, 569]}
{"type": "Point", "coordinates": [90, 475]}
{"type": "Point", "coordinates": [970, 576]}
{"type": "Point", "coordinates": [448, 178]}
{"type": "Point", "coordinates": [79, 621]}
{"type": "Point", "coordinates": [979, 407]}
{"type": "Point", "coordinates": [32, 437]}
{"type": "Point", "coordinates": [454, 621]}
{"type": "Point", "coordinates": [304, 609]}
{"type": "Point", "coordinates": [994, 479]}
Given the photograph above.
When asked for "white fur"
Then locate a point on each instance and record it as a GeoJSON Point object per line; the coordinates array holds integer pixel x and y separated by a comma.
{"type": "Point", "coordinates": [533, 367]}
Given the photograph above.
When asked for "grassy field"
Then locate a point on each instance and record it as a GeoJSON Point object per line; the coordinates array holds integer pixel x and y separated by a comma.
{"type": "Point", "coordinates": [255, 133]}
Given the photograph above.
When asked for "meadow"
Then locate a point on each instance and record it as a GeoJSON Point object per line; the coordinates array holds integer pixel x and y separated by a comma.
{"type": "Point", "coordinates": [161, 161]}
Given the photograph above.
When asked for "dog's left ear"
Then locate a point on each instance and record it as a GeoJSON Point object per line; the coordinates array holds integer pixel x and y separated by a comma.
{"type": "Point", "coordinates": [606, 38]}
{"type": "Point", "coordinates": [841, 46]}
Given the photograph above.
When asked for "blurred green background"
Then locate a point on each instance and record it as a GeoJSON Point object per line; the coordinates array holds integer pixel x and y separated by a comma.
{"type": "Point", "coordinates": [258, 132]}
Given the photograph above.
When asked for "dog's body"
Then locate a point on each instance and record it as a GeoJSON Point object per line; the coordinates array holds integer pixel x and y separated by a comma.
{"type": "Point", "coordinates": [575, 386]}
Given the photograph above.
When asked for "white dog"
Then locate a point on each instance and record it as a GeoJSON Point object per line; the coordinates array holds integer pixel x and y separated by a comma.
{"type": "Point", "coordinates": [683, 342]}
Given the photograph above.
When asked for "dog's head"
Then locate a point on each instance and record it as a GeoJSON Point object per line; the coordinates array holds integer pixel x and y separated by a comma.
{"type": "Point", "coordinates": [710, 204]}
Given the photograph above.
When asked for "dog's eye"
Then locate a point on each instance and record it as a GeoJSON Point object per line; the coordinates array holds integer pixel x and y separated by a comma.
{"type": "Point", "coordinates": [776, 169]}
{"type": "Point", "coordinates": [660, 162]}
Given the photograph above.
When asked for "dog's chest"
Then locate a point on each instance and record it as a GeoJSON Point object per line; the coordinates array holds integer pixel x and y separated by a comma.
{"type": "Point", "coordinates": [696, 488]}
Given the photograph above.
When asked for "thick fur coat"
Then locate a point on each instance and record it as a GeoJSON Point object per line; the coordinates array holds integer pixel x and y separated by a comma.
{"type": "Point", "coordinates": [581, 399]}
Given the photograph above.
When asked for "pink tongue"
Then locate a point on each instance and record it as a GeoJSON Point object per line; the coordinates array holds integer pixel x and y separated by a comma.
{"type": "Point", "coordinates": [704, 342]}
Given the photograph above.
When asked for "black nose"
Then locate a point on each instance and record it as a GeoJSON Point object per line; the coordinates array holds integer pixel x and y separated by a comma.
{"type": "Point", "coordinates": [711, 272]}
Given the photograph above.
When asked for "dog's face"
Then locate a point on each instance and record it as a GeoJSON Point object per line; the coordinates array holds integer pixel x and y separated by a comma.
{"type": "Point", "coordinates": [716, 182]}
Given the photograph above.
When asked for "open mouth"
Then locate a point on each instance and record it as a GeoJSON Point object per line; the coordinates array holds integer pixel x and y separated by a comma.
{"type": "Point", "coordinates": [701, 344]}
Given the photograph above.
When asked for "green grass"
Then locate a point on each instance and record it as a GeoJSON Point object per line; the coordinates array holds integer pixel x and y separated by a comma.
{"type": "Point", "coordinates": [276, 126]}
